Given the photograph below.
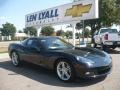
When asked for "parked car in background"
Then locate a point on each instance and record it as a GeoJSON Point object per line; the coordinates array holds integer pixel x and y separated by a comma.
{"type": "Point", "coordinates": [83, 44]}
{"type": "Point", "coordinates": [66, 60]}
{"type": "Point", "coordinates": [107, 37]}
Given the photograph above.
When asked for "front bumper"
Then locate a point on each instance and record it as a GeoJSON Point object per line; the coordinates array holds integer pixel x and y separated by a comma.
{"type": "Point", "coordinates": [112, 43]}
{"type": "Point", "coordinates": [86, 72]}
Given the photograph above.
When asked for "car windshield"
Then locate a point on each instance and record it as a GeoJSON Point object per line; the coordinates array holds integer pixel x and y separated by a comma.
{"type": "Point", "coordinates": [56, 43]}
{"type": "Point", "coordinates": [109, 30]}
{"type": "Point", "coordinates": [24, 41]}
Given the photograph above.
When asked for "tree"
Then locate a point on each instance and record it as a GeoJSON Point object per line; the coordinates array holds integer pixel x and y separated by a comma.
{"type": "Point", "coordinates": [20, 31]}
{"type": "Point", "coordinates": [8, 30]}
{"type": "Point", "coordinates": [79, 26]}
{"type": "Point", "coordinates": [78, 35]}
{"type": "Point", "coordinates": [0, 30]}
{"type": "Point", "coordinates": [47, 30]}
{"type": "Point", "coordinates": [30, 31]}
{"type": "Point", "coordinates": [60, 33]}
{"type": "Point", "coordinates": [117, 11]}
{"type": "Point", "coordinates": [86, 33]}
{"type": "Point", "coordinates": [68, 34]}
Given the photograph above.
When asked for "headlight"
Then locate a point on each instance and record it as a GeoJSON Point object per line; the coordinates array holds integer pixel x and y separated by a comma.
{"type": "Point", "coordinates": [85, 60]}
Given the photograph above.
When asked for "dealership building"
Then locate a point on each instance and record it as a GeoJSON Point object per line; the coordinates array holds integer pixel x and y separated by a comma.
{"type": "Point", "coordinates": [71, 13]}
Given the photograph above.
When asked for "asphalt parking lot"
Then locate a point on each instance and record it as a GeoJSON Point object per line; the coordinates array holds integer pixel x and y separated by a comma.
{"type": "Point", "coordinates": [32, 77]}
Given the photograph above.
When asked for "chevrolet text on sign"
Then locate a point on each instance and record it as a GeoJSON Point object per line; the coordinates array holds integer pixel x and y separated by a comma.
{"type": "Point", "coordinates": [82, 10]}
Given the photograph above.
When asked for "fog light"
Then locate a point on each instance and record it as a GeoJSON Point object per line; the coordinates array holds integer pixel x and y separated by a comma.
{"type": "Point", "coordinates": [94, 76]}
{"type": "Point", "coordinates": [87, 73]}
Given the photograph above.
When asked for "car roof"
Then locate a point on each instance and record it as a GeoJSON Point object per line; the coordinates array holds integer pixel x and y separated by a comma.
{"type": "Point", "coordinates": [43, 37]}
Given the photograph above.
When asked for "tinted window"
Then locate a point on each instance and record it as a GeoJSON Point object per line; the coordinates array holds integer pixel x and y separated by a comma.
{"type": "Point", "coordinates": [55, 43]}
{"type": "Point", "coordinates": [24, 42]}
{"type": "Point", "coordinates": [32, 42]}
{"type": "Point", "coordinates": [29, 43]}
{"type": "Point", "coordinates": [109, 30]}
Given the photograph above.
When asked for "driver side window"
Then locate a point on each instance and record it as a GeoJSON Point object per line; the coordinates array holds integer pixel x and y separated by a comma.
{"type": "Point", "coordinates": [32, 42]}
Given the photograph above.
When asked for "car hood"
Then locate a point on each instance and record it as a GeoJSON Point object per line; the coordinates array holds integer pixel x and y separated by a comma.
{"type": "Point", "coordinates": [84, 52]}
{"type": "Point", "coordinates": [95, 55]}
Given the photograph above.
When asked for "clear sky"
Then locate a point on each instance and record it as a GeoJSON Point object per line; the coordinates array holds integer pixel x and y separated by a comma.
{"type": "Point", "coordinates": [14, 11]}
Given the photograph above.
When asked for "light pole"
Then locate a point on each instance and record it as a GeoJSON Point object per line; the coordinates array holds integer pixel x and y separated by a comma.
{"type": "Point", "coordinates": [83, 32]}
{"type": "Point", "coordinates": [28, 33]}
{"type": "Point", "coordinates": [82, 23]}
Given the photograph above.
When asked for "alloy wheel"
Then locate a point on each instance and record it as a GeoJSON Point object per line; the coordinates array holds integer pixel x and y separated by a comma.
{"type": "Point", "coordinates": [14, 59]}
{"type": "Point", "coordinates": [63, 71]}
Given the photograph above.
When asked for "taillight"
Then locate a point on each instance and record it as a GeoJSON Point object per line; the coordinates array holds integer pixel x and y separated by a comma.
{"type": "Point", "coordinates": [106, 37]}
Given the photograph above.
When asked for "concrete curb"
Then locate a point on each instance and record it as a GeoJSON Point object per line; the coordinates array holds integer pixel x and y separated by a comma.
{"type": "Point", "coordinates": [4, 55]}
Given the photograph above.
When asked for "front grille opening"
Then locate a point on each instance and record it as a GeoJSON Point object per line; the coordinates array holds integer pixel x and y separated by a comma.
{"type": "Point", "coordinates": [103, 70]}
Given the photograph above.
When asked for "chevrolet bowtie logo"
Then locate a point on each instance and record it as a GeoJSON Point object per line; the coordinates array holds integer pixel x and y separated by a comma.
{"type": "Point", "coordinates": [78, 10]}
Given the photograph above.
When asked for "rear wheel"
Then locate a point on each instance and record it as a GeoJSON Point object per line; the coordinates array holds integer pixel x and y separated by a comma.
{"type": "Point", "coordinates": [15, 58]}
{"type": "Point", "coordinates": [65, 71]}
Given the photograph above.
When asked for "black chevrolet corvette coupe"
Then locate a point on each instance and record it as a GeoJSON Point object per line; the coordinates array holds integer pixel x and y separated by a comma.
{"type": "Point", "coordinates": [56, 54]}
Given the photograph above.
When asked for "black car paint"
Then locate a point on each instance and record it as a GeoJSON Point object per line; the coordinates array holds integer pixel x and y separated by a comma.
{"type": "Point", "coordinates": [48, 58]}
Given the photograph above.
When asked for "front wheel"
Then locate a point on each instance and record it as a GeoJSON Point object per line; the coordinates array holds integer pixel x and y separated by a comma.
{"type": "Point", "coordinates": [103, 47]}
{"type": "Point", "coordinates": [64, 71]}
{"type": "Point", "coordinates": [15, 58]}
{"type": "Point", "coordinates": [113, 47]}
{"type": "Point", "coordinates": [95, 45]}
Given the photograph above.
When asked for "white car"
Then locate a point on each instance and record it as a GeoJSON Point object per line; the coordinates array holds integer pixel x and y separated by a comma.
{"type": "Point", "coordinates": [83, 44]}
{"type": "Point", "coordinates": [107, 37]}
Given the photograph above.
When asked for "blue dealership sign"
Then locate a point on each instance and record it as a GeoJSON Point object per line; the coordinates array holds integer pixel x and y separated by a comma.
{"type": "Point", "coordinates": [43, 15]}
{"type": "Point", "coordinates": [73, 12]}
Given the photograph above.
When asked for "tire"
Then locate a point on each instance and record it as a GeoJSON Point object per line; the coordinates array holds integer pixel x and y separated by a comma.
{"type": "Point", "coordinates": [113, 47]}
{"type": "Point", "coordinates": [65, 71]}
{"type": "Point", "coordinates": [103, 47]}
{"type": "Point", "coordinates": [95, 45]}
{"type": "Point", "coordinates": [15, 58]}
